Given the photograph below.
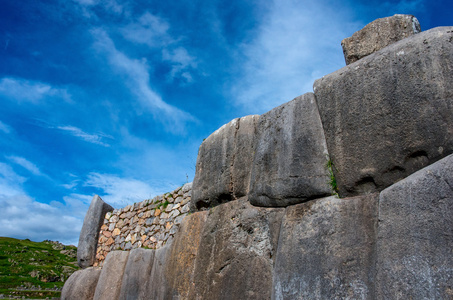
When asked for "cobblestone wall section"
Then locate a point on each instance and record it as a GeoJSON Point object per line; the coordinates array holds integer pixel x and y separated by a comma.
{"type": "Point", "coordinates": [150, 223]}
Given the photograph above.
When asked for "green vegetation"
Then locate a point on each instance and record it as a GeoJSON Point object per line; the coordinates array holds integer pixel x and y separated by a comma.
{"type": "Point", "coordinates": [35, 270]}
{"type": "Point", "coordinates": [332, 181]}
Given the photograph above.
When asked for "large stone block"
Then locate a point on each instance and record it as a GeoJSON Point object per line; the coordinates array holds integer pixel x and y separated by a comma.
{"type": "Point", "coordinates": [290, 163]}
{"type": "Point", "coordinates": [377, 35]}
{"type": "Point", "coordinates": [224, 163]}
{"type": "Point", "coordinates": [157, 286]}
{"type": "Point", "coordinates": [180, 266]}
{"type": "Point", "coordinates": [235, 255]}
{"type": "Point", "coordinates": [81, 284]}
{"type": "Point", "coordinates": [110, 280]}
{"type": "Point", "coordinates": [389, 114]}
{"type": "Point", "coordinates": [136, 273]}
{"type": "Point", "coordinates": [88, 240]}
{"type": "Point", "coordinates": [325, 250]}
{"type": "Point", "coordinates": [414, 246]}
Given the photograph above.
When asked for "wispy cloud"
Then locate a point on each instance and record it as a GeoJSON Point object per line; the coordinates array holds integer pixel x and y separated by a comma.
{"type": "Point", "coordinates": [149, 30]}
{"type": "Point", "coordinates": [10, 182]}
{"type": "Point", "coordinates": [138, 82]}
{"type": "Point", "coordinates": [26, 164]}
{"type": "Point", "coordinates": [120, 191]}
{"type": "Point", "coordinates": [91, 138]}
{"type": "Point", "coordinates": [35, 92]}
{"type": "Point", "coordinates": [4, 128]}
{"type": "Point", "coordinates": [153, 31]}
{"type": "Point", "coordinates": [297, 43]}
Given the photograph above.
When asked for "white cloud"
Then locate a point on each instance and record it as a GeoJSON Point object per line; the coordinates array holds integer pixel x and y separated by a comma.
{"type": "Point", "coordinates": [23, 217]}
{"type": "Point", "coordinates": [298, 42]}
{"type": "Point", "coordinates": [138, 83]}
{"type": "Point", "coordinates": [91, 138]}
{"type": "Point", "coordinates": [153, 31]}
{"type": "Point", "coordinates": [4, 128]}
{"type": "Point", "coordinates": [120, 192]}
{"type": "Point", "coordinates": [35, 92]}
{"type": "Point", "coordinates": [150, 30]}
{"type": "Point", "coordinates": [26, 164]}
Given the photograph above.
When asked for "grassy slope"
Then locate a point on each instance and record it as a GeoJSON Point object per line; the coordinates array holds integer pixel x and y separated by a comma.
{"type": "Point", "coordinates": [27, 266]}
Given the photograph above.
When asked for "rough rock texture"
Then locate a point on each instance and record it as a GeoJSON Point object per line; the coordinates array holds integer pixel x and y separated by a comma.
{"type": "Point", "coordinates": [88, 240]}
{"type": "Point", "coordinates": [289, 166]}
{"type": "Point", "coordinates": [223, 164]}
{"type": "Point", "coordinates": [109, 284]}
{"type": "Point", "coordinates": [389, 114]}
{"type": "Point", "coordinates": [325, 249]}
{"type": "Point", "coordinates": [415, 236]}
{"type": "Point", "coordinates": [81, 284]}
{"type": "Point", "coordinates": [136, 273]}
{"type": "Point", "coordinates": [377, 35]}
{"type": "Point", "coordinates": [235, 255]}
{"type": "Point", "coordinates": [180, 266]}
{"type": "Point", "coordinates": [157, 286]}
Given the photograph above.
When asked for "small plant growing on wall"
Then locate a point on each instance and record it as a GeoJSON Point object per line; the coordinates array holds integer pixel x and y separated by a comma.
{"type": "Point", "coordinates": [332, 180]}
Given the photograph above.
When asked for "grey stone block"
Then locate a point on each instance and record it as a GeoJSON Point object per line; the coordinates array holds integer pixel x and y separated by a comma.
{"type": "Point", "coordinates": [325, 249]}
{"type": "Point", "coordinates": [81, 284]}
{"type": "Point", "coordinates": [180, 266]}
{"type": "Point", "coordinates": [224, 163]}
{"type": "Point", "coordinates": [290, 160]}
{"type": "Point", "coordinates": [235, 255]}
{"type": "Point", "coordinates": [110, 280]}
{"type": "Point", "coordinates": [378, 34]}
{"type": "Point", "coordinates": [88, 240]}
{"type": "Point", "coordinates": [414, 246]}
{"type": "Point", "coordinates": [389, 114]}
{"type": "Point", "coordinates": [157, 286]}
{"type": "Point", "coordinates": [136, 273]}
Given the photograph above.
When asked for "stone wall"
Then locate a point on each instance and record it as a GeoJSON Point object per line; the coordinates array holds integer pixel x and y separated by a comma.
{"type": "Point", "coordinates": [149, 224]}
{"type": "Point", "coordinates": [262, 223]}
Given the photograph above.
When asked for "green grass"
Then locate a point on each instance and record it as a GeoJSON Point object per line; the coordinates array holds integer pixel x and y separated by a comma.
{"type": "Point", "coordinates": [32, 269]}
{"type": "Point", "coordinates": [332, 180]}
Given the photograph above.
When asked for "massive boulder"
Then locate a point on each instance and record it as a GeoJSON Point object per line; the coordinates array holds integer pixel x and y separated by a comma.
{"type": "Point", "coordinates": [156, 286]}
{"type": "Point", "coordinates": [325, 250]}
{"type": "Point", "coordinates": [136, 273]}
{"type": "Point", "coordinates": [110, 280]}
{"type": "Point", "coordinates": [290, 163]}
{"type": "Point", "coordinates": [81, 284]}
{"type": "Point", "coordinates": [236, 252]}
{"type": "Point", "coordinates": [223, 164]}
{"type": "Point", "coordinates": [180, 266]}
{"type": "Point", "coordinates": [88, 240]}
{"type": "Point", "coordinates": [414, 246]}
{"type": "Point", "coordinates": [377, 35]}
{"type": "Point", "coordinates": [389, 114]}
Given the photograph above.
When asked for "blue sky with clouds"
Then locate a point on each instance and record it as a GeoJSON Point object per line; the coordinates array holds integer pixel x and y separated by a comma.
{"type": "Point", "coordinates": [114, 97]}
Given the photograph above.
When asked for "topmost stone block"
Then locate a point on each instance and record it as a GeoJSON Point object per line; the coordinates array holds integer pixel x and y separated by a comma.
{"type": "Point", "coordinates": [377, 35]}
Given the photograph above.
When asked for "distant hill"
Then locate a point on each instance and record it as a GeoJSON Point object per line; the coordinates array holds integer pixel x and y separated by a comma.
{"type": "Point", "coordinates": [34, 270]}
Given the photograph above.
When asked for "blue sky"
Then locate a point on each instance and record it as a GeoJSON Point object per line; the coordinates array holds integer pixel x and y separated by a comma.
{"type": "Point", "coordinates": [114, 97]}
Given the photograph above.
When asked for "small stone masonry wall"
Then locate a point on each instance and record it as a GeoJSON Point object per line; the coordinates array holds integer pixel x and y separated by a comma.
{"type": "Point", "coordinates": [150, 223]}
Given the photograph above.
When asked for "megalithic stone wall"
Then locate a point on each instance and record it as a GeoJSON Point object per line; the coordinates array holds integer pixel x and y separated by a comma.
{"type": "Point", "coordinates": [390, 113]}
{"type": "Point", "coordinates": [387, 122]}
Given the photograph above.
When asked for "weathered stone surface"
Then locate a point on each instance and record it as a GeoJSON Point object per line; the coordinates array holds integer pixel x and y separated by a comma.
{"type": "Point", "coordinates": [389, 114]}
{"type": "Point", "coordinates": [110, 280]}
{"type": "Point", "coordinates": [414, 247]}
{"type": "Point", "coordinates": [290, 160]}
{"type": "Point", "coordinates": [136, 274]}
{"type": "Point", "coordinates": [378, 34]}
{"type": "Point", "coordinates": [325, 250]}
{"type": "Point", "coordinates": [156, 286]}
{"type": "Point", "coordinates": [235, 255]}
{"type": "Point", "coordinates": [81, 284]}
{"type": "Point", "coordinates": [224, 163]}
{"type": "Point", "coordinates": [180, 267]}
{"type": "Point", "coordinates": [88, 240]}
